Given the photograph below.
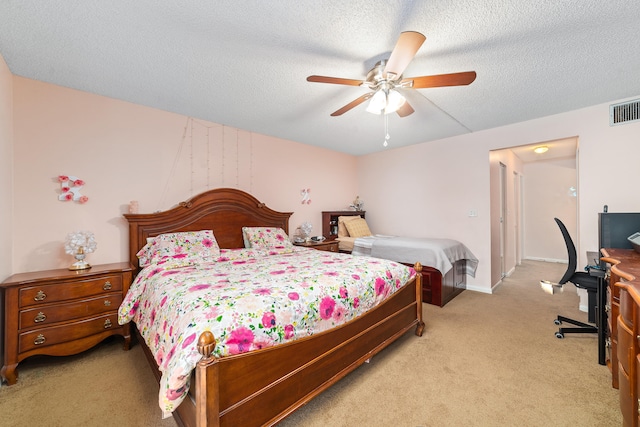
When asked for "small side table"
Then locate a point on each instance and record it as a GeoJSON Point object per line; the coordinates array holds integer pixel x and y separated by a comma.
{"type": "Point", "coordinates": [327, 245]}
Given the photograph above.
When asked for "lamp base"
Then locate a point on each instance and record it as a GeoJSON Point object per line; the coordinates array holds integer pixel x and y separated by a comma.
{"type": "Point", "coordinates": [80, 265]}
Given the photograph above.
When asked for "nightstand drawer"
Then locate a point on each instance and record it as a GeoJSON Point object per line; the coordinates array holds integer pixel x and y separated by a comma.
{"type": "Point", "coordinates": [43, 294]}
{"type": "Point", "coordinates": [44, 337]}
{"type": "Point", "coordinates": [328, 246]}
{"type": "Point", "coordinates": [46, 315]}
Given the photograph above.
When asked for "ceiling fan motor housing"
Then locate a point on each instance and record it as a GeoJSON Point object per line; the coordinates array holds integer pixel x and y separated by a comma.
{"type": "Point", "coordinates": [376, 78]}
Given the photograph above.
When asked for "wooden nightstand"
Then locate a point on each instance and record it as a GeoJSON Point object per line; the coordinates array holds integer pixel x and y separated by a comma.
{"type": "Point", "coordinates": [329, 246]}
{"type": "Point", "coordinates": [62, 312]}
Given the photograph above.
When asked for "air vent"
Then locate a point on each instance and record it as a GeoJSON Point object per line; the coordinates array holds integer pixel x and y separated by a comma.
{"type": "Point", "coordinates": [624, 113]}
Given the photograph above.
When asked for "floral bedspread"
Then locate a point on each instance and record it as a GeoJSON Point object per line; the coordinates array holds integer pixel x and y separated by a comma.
{"type": "Point", "coordinates": [249, 299]}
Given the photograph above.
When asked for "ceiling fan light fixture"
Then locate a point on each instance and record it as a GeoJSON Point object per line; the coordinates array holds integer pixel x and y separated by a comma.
{"type": "Point", "coordinates": [385, 101]}
{"type": "Point", "coordinates": [394, 101]}
{"type": "Point", "coordinates": [387, 75]}
{"type": "Point", "coordinates": [378, 102]}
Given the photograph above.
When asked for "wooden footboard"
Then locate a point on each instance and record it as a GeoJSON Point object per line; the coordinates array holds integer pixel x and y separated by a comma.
{"type": "Point", "coordinates": [263, 387]}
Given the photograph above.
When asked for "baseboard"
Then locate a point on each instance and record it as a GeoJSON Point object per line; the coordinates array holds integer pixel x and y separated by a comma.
{"type": "Point", "coordinates": [559, 261]}
{"type": "Point", "coordinates": [481, 290]}
{"type": "Point", "coordinates": [494, 287]}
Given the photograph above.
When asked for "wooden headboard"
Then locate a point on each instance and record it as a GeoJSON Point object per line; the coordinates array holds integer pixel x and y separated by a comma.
{"type": "Point", "coordinates": [223, 210]}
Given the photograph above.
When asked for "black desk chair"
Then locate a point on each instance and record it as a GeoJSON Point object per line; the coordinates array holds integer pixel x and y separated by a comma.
{"type": "Point", "coordinates": [582, 279]}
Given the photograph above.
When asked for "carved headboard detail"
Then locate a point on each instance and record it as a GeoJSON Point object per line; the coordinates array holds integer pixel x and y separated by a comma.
{"type": "Point", "coordinates": [223, 210]}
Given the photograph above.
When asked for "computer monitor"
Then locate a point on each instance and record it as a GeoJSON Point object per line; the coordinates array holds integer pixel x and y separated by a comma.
{"type": "Point", "coordinates": [615, 227]}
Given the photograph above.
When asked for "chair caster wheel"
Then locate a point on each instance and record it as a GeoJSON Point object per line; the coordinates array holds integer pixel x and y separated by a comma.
{"type": "Point", "coordinates": [557, 322]}
{"type": "Point", "coordinates": [559, 335]}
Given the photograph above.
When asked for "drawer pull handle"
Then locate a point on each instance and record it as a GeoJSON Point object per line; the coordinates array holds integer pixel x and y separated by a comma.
{"type": "Point", "coordinates": [107, 286]}
{"type": "Point", "coordinates": [40, 296]}
{"type": "Point", "coordinates": [40, 317]}
{"type": "Point", "coordinates": [107, 303]}
{"type": "Point", "coordinates": [107, 323]}
{"type": "Point", "coordinates": [40, 339]}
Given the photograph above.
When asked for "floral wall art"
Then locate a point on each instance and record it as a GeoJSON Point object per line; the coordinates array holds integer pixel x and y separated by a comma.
{"type": "Point", "coordinates": [305, 193]}
{"type": "Point", "coordinates": [70, 187]}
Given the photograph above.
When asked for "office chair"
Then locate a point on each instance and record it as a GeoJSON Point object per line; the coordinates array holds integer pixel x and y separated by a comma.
{"type": "Point", "coordinates": [581, 279]}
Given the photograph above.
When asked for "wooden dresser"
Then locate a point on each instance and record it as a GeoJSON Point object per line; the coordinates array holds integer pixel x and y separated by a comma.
{"type": "Point", "coordinates": [623, 303]}
{"type": "Point", "coordinates": [61, 312]}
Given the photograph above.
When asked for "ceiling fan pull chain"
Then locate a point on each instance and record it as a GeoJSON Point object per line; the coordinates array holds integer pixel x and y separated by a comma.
{"type": "Point", "coordinates": [386, 130]}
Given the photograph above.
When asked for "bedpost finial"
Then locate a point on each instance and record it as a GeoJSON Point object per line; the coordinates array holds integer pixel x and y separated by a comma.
{"type": "Point", "coordinates": [206, 344]}
{"type": "Point", "coordinates": [417, 267]}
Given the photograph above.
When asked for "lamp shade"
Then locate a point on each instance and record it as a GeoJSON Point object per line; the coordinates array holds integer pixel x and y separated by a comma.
{"type": "Point", "coordinates": [385, 101]}
{"type": "Point", "coordinates": [394, 101]}
{"type": "Point", "coordinates": [378, 102]}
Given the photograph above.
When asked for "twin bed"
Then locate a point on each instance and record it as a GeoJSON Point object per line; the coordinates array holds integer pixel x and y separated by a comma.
{"type": "Point", "coordinates": [258, 332]}
{"type": "Point", "coordinates": [445, 262]}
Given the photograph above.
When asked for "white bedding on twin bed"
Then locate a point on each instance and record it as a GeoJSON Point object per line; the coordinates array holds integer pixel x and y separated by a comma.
{"type": "Point", "coordinates": [437, 253]}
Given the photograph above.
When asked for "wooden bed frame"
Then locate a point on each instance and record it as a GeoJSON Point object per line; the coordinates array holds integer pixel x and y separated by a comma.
{"type": "Point", "coordinates": [263, 387]}
{"type": "Point", "coordinates": [438, 289]}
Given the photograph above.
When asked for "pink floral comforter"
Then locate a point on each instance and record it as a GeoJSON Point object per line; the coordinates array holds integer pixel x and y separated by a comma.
{"type": "Point", "coordinates": [249, 299]}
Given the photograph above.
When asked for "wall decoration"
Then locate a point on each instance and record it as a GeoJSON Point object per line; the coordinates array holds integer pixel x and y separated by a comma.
{"type": "Point", "coordinates": [70, 187]}
{"type": "Point", "coordinates": [306, 196]}
{"type": "Point", "coordinates": [357, 204]}
{"type": "Point", "coordinates": [210, 155]}
{"type": "Point", "coordinates": [134, 207]}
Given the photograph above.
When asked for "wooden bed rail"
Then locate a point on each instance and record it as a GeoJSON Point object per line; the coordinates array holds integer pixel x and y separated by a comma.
{"type": "Point", "coordinates": [420, 326]}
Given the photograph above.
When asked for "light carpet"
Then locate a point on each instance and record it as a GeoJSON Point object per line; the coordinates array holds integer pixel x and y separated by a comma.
{"type": "Point", "coordinates": [483, 360]}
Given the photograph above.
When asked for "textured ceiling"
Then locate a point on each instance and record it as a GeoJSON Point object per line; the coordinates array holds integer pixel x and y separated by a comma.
{"type": "Point", "coordinates": [244, 63]}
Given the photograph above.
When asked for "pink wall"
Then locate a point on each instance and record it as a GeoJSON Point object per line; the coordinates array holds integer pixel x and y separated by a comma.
{"type": "Point", "coordinates": [428, 189]}
{"type": "Point", "coordinates": [6, 169]}
{"type": "Point", "coordinates": [127, 152]}
{"type": "Point", "coordinates": [548, 194]}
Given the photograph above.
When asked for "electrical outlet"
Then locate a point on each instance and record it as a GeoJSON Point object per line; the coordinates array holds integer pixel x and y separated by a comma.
{"type": "Point", "coordinates": [473, 212]}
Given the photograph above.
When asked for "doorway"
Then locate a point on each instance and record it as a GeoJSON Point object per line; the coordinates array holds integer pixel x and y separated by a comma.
{"type": "Point", "coordinates": [527, 192]}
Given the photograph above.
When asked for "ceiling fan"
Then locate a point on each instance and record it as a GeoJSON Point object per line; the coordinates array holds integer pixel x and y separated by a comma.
{"type": "Point", "coordinates": [386, 77]}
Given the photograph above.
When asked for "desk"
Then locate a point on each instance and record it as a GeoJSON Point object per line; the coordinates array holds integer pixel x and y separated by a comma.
{"type": "Point", "coordinates": [624, 327]}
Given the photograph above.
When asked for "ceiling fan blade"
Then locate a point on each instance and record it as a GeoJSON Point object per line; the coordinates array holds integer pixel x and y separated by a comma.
{"type": "Point", "coordinates": [439, 80]}
{"type": "Point", "coordinates": [352, 104]}
{"type": "Point", "coordinates": [334, 80]}
{"type": "Point", "coordinates": [405, 110]}
{"type": "Point", "coordinates": [406, 48]}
